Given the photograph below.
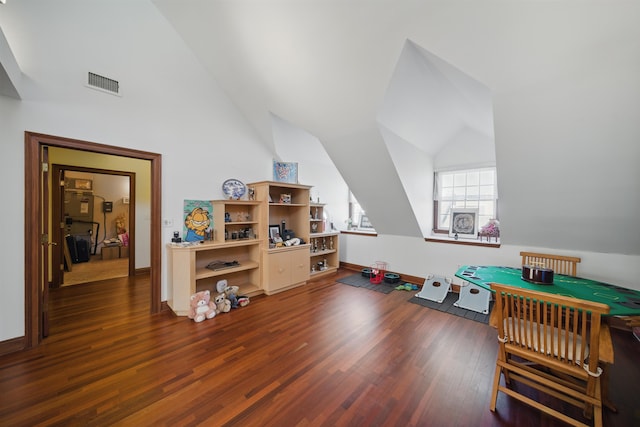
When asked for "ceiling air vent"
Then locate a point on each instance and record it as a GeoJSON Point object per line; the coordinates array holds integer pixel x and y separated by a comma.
{"type": "Point", "coordinates": [96, 81]}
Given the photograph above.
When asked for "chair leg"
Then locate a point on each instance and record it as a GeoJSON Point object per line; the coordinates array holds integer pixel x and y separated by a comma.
{"type": "Point", "coordinates": [594, 388]}
{"type": "Point", "coordinates": [494, 391]}
{"type": "Point", "coordinates": [604, 383]}
{"type": "Point", "coordinates": [597, 411]}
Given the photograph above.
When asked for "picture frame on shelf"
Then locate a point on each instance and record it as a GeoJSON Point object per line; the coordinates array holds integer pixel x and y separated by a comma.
{"type": "Point", "coordinates": [286, 172]}
{"type": "Point", "coordinates": [285, 198]}
{"type": "Point", "coordinates": [464, 223]}
{"type": "Point", "coordinates": [365, 223]}
{"type": "Point", "coordinates": [274, 231]}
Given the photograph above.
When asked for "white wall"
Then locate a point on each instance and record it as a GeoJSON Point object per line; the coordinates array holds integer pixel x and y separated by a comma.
{"type": "Point", "coordinates": [315, 168]}
{"type": "Point", "coordinates": [415, 257]}
{"type": "Point", "coordinates": [169, 105]}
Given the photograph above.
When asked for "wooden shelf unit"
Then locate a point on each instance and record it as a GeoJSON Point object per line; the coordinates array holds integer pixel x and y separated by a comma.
{"type": "Point", "coordinates": [324, 250]}
{"type": "Point", "coordinates": [324, 243]}
{"type": "Point", "coordinates": [241, 233]}
{"type": "Point", "coordinates": [188, 272]}
{"type": "Point", "coordinates": [283, 204]}
{"type": "Point", "coordinates": [242, 215]}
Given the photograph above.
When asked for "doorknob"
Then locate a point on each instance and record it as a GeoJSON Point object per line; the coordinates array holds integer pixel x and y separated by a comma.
{"type": "Point", "coordinates": [44, 240]}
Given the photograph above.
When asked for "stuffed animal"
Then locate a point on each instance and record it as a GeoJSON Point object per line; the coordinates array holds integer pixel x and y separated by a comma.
{"type": "Point", "coordinates": [223, 305]}
{"type": "Point", "coordinates": [201, 306]}
{"type": "Point", "coordinates": [231, 292]}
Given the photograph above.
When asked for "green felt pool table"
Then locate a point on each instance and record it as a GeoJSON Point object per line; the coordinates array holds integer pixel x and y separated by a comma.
{"type": "Point", "coordinates": [622, 301]}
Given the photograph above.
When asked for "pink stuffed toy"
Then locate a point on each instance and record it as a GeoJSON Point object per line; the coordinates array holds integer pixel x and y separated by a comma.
{"type": "Point", "coordinates": [201, 306]}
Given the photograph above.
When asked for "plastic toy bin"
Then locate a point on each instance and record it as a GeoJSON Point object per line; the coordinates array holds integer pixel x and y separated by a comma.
{"type": "Point", "coordinates": [377, 272]}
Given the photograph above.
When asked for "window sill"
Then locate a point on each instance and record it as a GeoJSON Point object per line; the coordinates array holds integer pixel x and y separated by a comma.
{"type": "Point", "coordinates": [360, 232]}
{"type": "Point", "coordinates": [469, 242]}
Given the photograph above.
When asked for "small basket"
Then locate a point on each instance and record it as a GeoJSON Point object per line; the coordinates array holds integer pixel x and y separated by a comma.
{"type": "Point", "coordinates": [377, 272]}
{"type": "Point", "coordinates": [391, 278]}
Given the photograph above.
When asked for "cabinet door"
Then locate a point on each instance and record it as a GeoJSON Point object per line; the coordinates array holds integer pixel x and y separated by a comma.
{"type": "Point", "coordinates": [300, 265]}
{"type": "Point", "coordinates": [279, 271]}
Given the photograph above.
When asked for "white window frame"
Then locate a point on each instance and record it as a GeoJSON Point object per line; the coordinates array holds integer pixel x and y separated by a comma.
{"type": "Point", "coordinates": [464, 188]}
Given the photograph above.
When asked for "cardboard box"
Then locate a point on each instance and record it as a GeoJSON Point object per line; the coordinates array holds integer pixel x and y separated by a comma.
{"type": "Point", "coordinates": [110, 252]}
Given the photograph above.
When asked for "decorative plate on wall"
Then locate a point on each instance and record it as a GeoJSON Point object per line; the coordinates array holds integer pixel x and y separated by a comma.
{"type": "Point", "coordinates": [233, 189]}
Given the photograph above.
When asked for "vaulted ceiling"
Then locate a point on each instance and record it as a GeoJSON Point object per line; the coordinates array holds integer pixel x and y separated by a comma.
{"type": "Point", "coordinates": [561, 78]}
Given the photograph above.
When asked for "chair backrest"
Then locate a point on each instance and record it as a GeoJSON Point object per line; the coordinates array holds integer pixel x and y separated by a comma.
{"type": "Point", "coordinates": [558, 263]}
{"type": "Point", "coordinates": [552, 330]}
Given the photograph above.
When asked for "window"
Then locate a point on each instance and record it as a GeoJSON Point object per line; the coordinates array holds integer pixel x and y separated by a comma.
{"type": "Point", "coordinates": [357, 216]}
{"type": "Point", "coordinates": [468, 188]}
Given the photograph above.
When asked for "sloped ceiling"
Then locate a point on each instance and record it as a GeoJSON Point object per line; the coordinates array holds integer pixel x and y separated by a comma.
{"type": "Point", "coordinates": [10, 75]}
{"type": "Point", "coordinates": [563, 77]}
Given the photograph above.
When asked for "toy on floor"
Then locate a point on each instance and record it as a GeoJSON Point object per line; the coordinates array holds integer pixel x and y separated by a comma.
{"type": "Point", "coordinates": [201, 307]}
{"type": "Point", "coordinates": [231, 293]}
{"type": "Point", "coordinates": [223, 305]}
{"type": "Point", "coordinates": [435, 288]}
{"type": "Point", "coordinates": [407, 287]}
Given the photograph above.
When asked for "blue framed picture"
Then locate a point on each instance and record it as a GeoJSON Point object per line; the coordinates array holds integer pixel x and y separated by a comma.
{"type": "Point", "coordinates": [198, 220]}
{"type": "Point", "coordinates": [285, 172]}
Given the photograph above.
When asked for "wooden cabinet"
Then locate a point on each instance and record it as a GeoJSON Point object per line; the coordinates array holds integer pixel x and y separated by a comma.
{"type": "Point", "coordinates": [237, 261]}
{"type": "Point", "coordinates": [285, 210]}
{"type": "Point", "coordinates": [285, 268]}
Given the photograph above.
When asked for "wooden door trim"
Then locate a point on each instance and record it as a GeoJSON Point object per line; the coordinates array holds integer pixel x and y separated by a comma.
{"type": "Point", "coordinates": [33, 227]}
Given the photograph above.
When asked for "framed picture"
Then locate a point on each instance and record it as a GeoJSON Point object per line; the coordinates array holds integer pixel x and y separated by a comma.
{"type": "Point", "coordinates": [464, 223]}
{"type": "Point", "coordinates": [285, 172]}
{"type": "Point", "coordinates": [274, 232]}
{"type": "Point", "coordinates": [78, 184]}
{"type": "Point", "coordinates": [364, 222]}
{"type": "Point", "coordinates": [285, 198]}
{"type": "Point", "coordinates": [198, 219]}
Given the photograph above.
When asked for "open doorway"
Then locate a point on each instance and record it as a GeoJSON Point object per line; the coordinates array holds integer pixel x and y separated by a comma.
{"type": "Point", "coordinates": [95, 210]}
{"type": "Point", "coordinates": [38, 244]}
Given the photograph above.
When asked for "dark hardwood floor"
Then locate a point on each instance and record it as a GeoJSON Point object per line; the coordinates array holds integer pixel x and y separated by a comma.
{"type": "Point", "coordinates": [325, 354]}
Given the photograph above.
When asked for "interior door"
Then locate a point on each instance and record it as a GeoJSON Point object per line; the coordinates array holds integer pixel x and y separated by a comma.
{"type": "Point", "coordinates": [45, 240]}
{"type": "Point", "coordinates": [60, 258]}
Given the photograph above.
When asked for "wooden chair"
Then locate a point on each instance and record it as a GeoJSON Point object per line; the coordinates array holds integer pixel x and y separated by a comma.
{"type": "Point", "coordinates": [558, 263]}
{"type": "Point", "coordinates": [550, 343]}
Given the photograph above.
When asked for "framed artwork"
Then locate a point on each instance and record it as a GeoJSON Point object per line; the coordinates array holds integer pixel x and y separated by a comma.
{"type": "Point", "coordinates": [274, 232]}
{"type": "Point", "coordinates": [285, 198]}
{"type": "Point", "coordinates": [464, 223]}
{"type": "Point", "coordinates": [364, 222]}
{"type": "Point", "coordinates": [83, 184]}
{"type": "Point", "coordinates": [285, 172]}
{"type": "Point", "coordinates": [198, 220]}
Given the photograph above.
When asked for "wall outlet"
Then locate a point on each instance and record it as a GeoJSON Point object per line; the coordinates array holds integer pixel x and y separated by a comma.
{"type": "Point", "coordinates": [167, 222]}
